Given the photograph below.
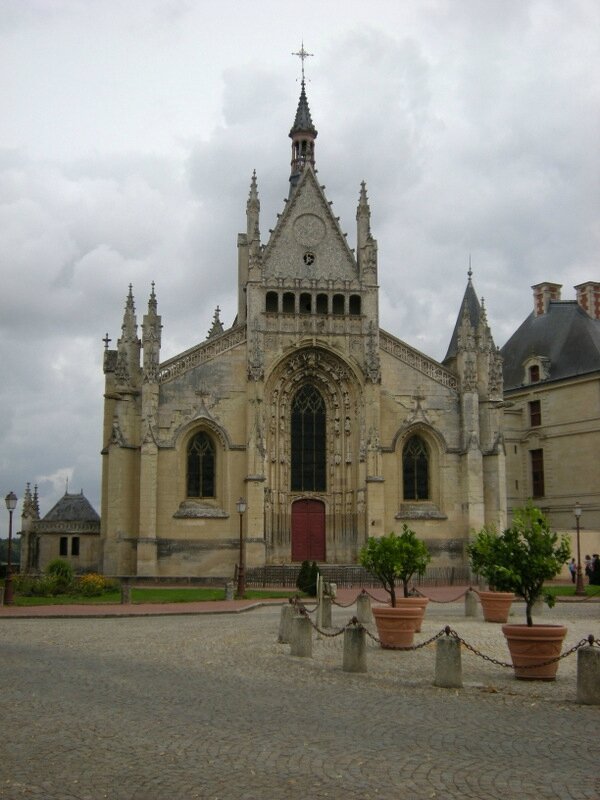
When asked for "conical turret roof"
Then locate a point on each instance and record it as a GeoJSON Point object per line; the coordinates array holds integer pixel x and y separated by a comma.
{"type": "Point", "coordinates": [472, 308]}
{"type": "Point", "coordinates": [303, 122]}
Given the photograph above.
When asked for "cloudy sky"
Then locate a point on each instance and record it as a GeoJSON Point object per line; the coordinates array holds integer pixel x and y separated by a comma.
{"type": "Point", "coordinates": [131, 129]}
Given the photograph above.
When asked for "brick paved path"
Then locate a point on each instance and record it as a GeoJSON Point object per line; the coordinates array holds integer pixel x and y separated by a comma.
{"type": "Point", "coordinates": [211, 707]}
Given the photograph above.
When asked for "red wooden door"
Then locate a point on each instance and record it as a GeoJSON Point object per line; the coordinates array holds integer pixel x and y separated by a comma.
{"type": "Point", "coordinates": [308, 530]}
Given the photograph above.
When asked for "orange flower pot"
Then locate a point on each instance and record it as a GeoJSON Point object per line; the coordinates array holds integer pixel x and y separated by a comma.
{"type": "Point", "coordinates": [396, 626]}
{"type": "Point", "coordinates": [534, 644]}
{"type": "Point", "coordinates": [496, 605]}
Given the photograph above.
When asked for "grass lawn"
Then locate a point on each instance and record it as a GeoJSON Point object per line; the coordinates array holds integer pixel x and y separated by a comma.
{"type": "Point", "coordinates": [152, 595]}
{"type": "Point", "coordinates": [569, 591]}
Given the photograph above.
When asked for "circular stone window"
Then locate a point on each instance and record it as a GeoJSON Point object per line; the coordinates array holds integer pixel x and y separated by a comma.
{"type": "Point", "coordinates": [308, 258]}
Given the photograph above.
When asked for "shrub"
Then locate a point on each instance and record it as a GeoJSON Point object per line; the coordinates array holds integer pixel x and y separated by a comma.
{"type": "Point", "coordinates": [394, 558]}
{"type": "Point", "coordinates": [92, 584]}
{"type": "Point", "coordinates": [307, 578]}
{"type": "Point", "coordinates": [303, 578]}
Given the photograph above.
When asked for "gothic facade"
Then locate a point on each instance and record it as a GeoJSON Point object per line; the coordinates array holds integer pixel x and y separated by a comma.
{"type": "Point", "coordinates": [330, 428]}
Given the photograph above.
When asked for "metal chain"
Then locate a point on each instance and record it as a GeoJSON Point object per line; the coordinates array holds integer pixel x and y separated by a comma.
{"type": "Point", "coordinates": [450, 632]}
{"type": "Point", "coordinates": [352, 622]}
{"type": "Point", "coordinates": [410, 647]}
{"type": "Point", "coordinates": [346, 605]}
{"type": "Point", "coordinates": [432, 600]}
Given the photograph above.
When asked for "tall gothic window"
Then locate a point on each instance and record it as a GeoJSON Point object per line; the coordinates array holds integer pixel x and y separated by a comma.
{"type": "Point", "coordinates": [308, 441]}
{"type": "Point", "coordinates": [415, 469]}
{"type": "Point", "coordinates": [201, 466]}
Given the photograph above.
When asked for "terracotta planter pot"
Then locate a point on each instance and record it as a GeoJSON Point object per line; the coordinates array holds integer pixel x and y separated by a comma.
{"type": "Point", "coordinates": [496, 605]}
{"type": "Point", "coordinates": [396, 626]}
{"type": "Point", "coordinates": [534, 644]}
{"type": "Point", "coordinates": [414, 602]}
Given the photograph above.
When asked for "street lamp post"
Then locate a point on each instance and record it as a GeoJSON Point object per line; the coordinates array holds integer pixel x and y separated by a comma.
{"type": "Point", "coordinates": [579, 587]}
{"type": "Point", "coordinates": [241, 577]}
{"type": "Point", "coordinates": [11, 504]}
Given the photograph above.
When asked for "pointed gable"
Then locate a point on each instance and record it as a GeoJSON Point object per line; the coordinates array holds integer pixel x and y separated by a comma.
{"type": "Point", "coordinates": [308, 242]}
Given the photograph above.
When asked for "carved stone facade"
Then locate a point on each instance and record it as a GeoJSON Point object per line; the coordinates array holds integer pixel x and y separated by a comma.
{"type": "Point", "coordinates": [183, 439]}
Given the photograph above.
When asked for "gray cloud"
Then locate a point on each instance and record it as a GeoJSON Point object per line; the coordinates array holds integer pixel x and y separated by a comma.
{"type": "Point", "coordinates": [474, 124]}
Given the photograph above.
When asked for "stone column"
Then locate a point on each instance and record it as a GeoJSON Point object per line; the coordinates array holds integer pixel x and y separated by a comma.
{"type": "Point", "coordinates": [588, 675]}
{"type": "Point", "coordinates": [448, 668]}
{"type": "Point", "coordinates": [355, 650]}
{"type": "Point", "coordinates": [301, 638]}
{"type": "Point", "coordinates": [363, 608]}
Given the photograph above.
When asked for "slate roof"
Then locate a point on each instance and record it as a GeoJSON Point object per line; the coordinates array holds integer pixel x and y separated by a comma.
{"type": "Point", "coordinates": [473, 307]}
{"type": "Point", "coordinates": [565, 335]}
{"type": "Point", "coordinates": [72, 508]}
{"type": "Point", "coordinates": [303, 122]}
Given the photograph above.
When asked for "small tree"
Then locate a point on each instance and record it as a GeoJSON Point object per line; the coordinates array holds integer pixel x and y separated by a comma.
{"type": "Point", "coordinates": [303, 579]}
{"type": "Point", "coordinates": [521, 559]}
{"type": "Point", "coordinates": [394, 558]}
{"type": "Point", "coordinates": [307, 578]}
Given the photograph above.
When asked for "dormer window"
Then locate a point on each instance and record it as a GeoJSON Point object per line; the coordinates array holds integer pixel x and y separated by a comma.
{"type": "Point", "coordinates": [536, 368]}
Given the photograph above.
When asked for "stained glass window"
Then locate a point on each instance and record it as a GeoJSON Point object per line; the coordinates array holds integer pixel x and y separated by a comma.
{"type": "Point", "coordinates": [415, 469]}
{"type": "Point", "coordinates": [201, 466]}
{"type": "Point", "coordinates": [308, 441]}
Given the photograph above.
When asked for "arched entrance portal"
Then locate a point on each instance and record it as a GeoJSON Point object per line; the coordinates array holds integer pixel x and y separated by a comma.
{"type": "Point", "coordinates": [308, 530]}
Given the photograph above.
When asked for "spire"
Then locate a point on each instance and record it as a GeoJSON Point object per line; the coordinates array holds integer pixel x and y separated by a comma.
{"type": "Point", "coordinates": [128, 345]}
{"type": "Point", "coordinates": [363, 218]}
{"type": "Point", "coordinates": [253, 211]}
{"type": "Point", "coordinates": [468, 317]}
{"type": "Point", "coordinates": [303, 133]}
{"type": "Point", "coordinates": [217, 325]}
{"type": "Point", "coordinates": [151, 337]}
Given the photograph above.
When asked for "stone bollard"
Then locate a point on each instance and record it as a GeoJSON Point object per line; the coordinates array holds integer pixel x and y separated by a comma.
{"type": "Point", "coordinates": [363, 609]}
{"type": "Point", "coordinates": [355, 649]}
{"type": "Point", "coordinates": [471, 604]}
{"type": "Point", "coordinates": [588, 676]}
{"type": "Point", "coordinates": [326, 613]}
{"type": "Point", "coordinates": [301, 638]}
{"type": "Point", "coordinates": [229, 590]}
{"type": "Point", "coordinates": [288, 612]}
{"type": "Point", "coordinates": [448, 668]}
{"type": "Point", "coordinates": [125, 592]}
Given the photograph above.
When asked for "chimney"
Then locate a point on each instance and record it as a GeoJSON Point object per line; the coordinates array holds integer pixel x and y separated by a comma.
{"type": "Point", "coordinates": [588, 297]}
{"type": "Point", "coordinates": [543, 293]}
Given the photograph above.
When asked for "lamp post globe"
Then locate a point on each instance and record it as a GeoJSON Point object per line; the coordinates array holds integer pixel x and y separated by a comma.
{"type": "Point", "coordinates": [11, 504]}
{"type": "Point", "coordinates": [579, 587]}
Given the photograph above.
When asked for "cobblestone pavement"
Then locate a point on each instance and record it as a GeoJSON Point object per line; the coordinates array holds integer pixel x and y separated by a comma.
{"type": "Point", "coordinates": [212, 707]}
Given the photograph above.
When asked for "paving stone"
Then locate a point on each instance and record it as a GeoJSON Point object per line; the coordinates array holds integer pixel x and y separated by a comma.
{"type": "Point", "coordinates": [213, 707]}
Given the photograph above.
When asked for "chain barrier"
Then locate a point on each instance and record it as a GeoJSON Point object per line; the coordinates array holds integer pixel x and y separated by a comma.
{"type": "Point", "coordinates": [588, 641]}
{"type": "Point", "coordinates": [351, 623]}
{"type": "Point", "coordinates": [345, 605]}
{"type": "Point", "coordinates": [298, 603]}
{"type": "Point", "coordinates": [409, 647]}
{"type": "Point", "coordinates": [432, 600]}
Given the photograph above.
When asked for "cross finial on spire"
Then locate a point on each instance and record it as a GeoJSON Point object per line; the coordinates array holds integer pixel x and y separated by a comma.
{"type": "Point", "coordinates": [470, 272]}
{"type": "Point", "coordinates": [303, 55]}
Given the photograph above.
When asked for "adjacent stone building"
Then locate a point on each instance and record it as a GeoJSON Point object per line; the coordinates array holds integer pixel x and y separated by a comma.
{"type": "Point", "coordinates": [70, 530]}
{"type": "Point", "coordinates": [330, 428]}
{"type": "Point", "coordinates": [552, 415]}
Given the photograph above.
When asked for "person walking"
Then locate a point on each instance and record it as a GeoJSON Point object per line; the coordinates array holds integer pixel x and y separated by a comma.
{"type": "Point", "coordinates": [573, 569]}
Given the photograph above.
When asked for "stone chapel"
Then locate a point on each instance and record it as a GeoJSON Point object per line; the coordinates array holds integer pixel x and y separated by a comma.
{"type": "Point", "coordinates": [330, 428]}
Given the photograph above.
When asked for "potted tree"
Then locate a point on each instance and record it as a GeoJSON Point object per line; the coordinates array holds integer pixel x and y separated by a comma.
{"type": "Point", "coordinates": [394, 559]}
{"type": "Point", "coordinates": [496, 602]}
{"type": "Point", "coordinates": [525, 556]}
